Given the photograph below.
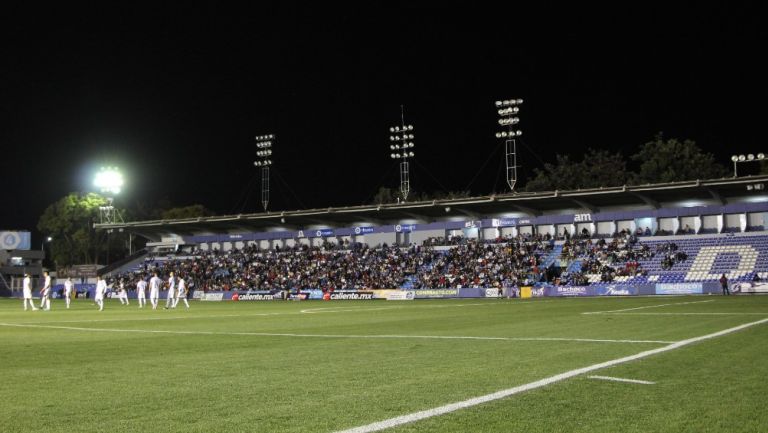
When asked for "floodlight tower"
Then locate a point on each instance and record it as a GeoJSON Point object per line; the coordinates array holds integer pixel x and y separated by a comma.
{"type": "Point", "coordinates": [745, 158]}
{"type": "Point", "coordinates": [401, 145]}
{"type": "Point", "coordinates": [109, 180]}
{"type": "Point", "coordinates": [264, 154]}
{"type": "Point", "coordinates": [507, 110]}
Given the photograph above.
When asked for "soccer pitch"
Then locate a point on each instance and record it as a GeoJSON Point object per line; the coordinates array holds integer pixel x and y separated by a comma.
{"type": "Point", "coordinates": [696, 364]}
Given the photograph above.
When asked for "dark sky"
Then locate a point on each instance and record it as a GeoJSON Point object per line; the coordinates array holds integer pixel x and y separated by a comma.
{"type": "Point", "coordinates": [175, 95]}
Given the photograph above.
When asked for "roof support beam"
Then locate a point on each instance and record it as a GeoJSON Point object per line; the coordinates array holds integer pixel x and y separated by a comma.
{"type": "Point", "coordinates": [649, 201]}
{"type": "Point", "coordinates": [591, 208]}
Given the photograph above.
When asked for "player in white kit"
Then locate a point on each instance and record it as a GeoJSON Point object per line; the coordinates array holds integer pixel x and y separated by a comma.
{"type": "Point", "coordinates": [122, 294]}
{"type": "Point", "coordinates": [141, 292]}
{"type": "Point", "coordinates": [169, 303]}
{"type": "Point", "coordinates": [45, 293]}
{"type": "Point", "coordinates": [181, 293]}
{"type": "Point", "coordinates": [27, 292]}
{"type": "Point", "coordinates": [101, 290]}
{"type": "Point", "coordinates": [154, 290]}
{"type": "Point", "coordinates": [68, 291]}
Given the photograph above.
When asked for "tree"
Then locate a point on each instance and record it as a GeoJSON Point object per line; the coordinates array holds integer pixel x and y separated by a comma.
{"type": "Point", "coordinates": [598, 168]}
{"type": "Point", "coordinates": [70, 222]}
{"type": "Point", "coordinates": [385, 195]}
{"type": "Point", "coordinates": [192, 211]}
{"type": "Point", "coordinates": [673, 161]}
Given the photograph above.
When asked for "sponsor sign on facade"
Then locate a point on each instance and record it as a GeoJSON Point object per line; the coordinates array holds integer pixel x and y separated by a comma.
{"type": "Point", "coordinates": [405, 228]}
{"type": "Point", "coordinates": [363, 230]}
{"type": "Point", "coordinates": [582, 218]}
{"type": "Point", "coordinates": [14, 240]}
{"type": "Point", "coordinates": [78, 271]}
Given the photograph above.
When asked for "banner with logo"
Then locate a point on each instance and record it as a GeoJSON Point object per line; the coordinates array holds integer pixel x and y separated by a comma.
{"type": "Point", "coordinates": [261, 295]}
{"type": "Point", "coordinates": [679, 289]}
{"type": "Point", "coordinates": [352, 295]}
{"type": "Point", "coordinates": [400, 295]}
{"type": "Point", "coordinates": [616, 290]}
{"type": "Point", "coordinates": [12, 240]}
{"type": "Point", "coordinates": [436, 293]}
{"type": "Point", "coordinates": [753, 287]}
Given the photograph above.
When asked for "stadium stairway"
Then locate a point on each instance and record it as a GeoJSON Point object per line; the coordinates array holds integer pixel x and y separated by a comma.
{"type": "Point", "coordinates": [552, 256]}
{"type": "Point", "coordinates": [133, 262]}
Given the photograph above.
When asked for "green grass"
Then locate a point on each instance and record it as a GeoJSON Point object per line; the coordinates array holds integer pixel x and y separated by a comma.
{"type": "Point", "coordinates": [208, 379]}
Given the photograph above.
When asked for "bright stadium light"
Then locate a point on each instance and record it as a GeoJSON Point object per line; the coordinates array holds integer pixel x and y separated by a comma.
{"type": "Point", "coordinates": [109, 180]}
{"type": "Point", "coordinates": [508, 110]}
{"type": "Point", "coordinates": [400, 142]}
{"type": "Point", "coordinates": [750, 157]}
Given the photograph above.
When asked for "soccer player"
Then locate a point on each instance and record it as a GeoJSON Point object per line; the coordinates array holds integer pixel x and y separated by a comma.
{"type": "Point", "coordinates": [101, 290]}
{"type": "Point", "coordinates": [68, 291]}
{"type": "Point", "coordinates": [154, 290]}
{"type": "Point", "coordinates": [171, 292]}
{"type": "Point", "coordinates": [141, 292]}
{"type": "Point", "coordinates": [27, 292]}
{"type": "Point", "coordinates": [181, 293]}
{"type": "Point", "coordinates": [123, 294]}
{"type": "Point", "coordinates": [45, 293]}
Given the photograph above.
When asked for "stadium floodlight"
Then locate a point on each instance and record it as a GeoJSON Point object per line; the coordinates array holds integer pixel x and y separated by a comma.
{"type": "Point", "coordinates": [401, 141]}
{"type": "Point", "coordinates": [264, 143]}
{"type": "Point", "coordinates": [109, 180]}
{"type": "Point", "coordinates": [750, 157]}
{"type": "Point", "coordinates": [508, 109]}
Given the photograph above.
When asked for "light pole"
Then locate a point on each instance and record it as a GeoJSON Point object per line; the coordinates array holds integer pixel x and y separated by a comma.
{"type": "Point", "coordinates": [48, 239]}
{"type": "Point", "coordinates": [507, 110]}
{"type": "Point", "coordinates": [745, 158]}
{"type": "Point", "coordinates": [110, 181]}
{"type": "Point", "coordinates": [264, 154]}
{"type": "Point", "coordinates": [401, 145]}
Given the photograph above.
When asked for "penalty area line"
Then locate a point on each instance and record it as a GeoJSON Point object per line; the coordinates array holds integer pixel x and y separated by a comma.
{"type": "Point", "coordinates": [619, 379]}
{"type": "Point", "coordinates": [452, 407]}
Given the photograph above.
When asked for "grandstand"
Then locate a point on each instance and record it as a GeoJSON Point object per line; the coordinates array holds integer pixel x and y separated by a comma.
{"type": "Point", "coordinates": [664, 238]}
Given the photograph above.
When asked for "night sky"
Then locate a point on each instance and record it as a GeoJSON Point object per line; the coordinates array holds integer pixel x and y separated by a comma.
{"type": "Point", "coordinates": [175, 95]}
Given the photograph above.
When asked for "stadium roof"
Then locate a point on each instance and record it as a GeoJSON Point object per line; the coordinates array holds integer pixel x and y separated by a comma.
{"type": "Point", "coordinates": [717, 191]}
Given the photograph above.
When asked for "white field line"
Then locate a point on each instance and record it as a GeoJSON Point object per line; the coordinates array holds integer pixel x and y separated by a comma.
{"type": "Point", "coordinates": [646, 307]}
{"type": "Point", "coordinates": [452, 407]}
{"type": "Point", "coordinates": [306, 311]}
{"type": "Point", "coordinates": [338, 336]}
{"type": "Point", "coordinates": [409, 307]}
{"type": "Point", "coordinates": [619, 379]}
{"type": "Point", "coordinates": [687, 314]}
{"type": "Point", "coordinates": [142, 319]}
